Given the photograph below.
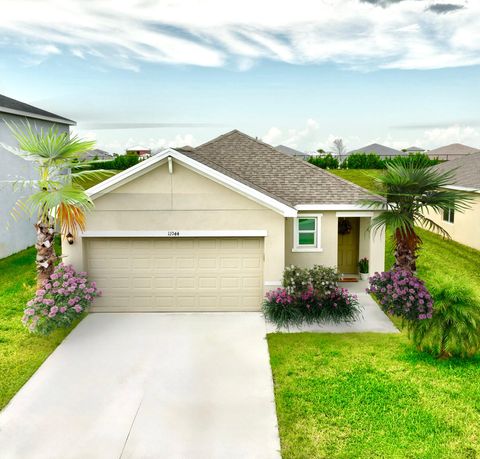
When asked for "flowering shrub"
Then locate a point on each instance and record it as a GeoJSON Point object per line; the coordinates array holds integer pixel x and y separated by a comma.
{"type": "Point", "coordinates": [402, 294]}
{"type": "Point", "coordinates": [61, 299]}
{"type": "Point", "coordinates": [309, 296]}
{"type": "Point", "coordinates": [322, 279]}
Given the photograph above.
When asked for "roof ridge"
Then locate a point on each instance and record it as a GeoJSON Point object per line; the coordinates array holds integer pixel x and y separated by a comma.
{"type": "Point", "coordinates": [221, 136]}
{"type": "Point", "coordinates": [318, 170]}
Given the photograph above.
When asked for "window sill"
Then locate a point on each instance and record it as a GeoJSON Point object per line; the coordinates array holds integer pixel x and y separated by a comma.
{"type": "Point", "coordinates": [307, 249]}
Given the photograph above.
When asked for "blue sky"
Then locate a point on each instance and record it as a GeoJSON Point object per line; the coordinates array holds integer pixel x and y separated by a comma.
{"type": "Point", "coordinates": [389, 71]}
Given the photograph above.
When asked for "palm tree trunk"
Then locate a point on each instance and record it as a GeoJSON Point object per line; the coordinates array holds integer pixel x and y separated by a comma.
{"type": "Point", "coordinates": [46, 256]}
{"type": "Point", "coordinates": [406, 244]}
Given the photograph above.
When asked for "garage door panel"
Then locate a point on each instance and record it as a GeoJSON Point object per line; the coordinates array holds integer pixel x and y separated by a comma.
{"type": "Point", "coordinates": [194, 274]}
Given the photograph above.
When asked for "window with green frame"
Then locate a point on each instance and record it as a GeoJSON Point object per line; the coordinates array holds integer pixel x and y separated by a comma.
{"type": "Point", "coordinates": [306, 234]}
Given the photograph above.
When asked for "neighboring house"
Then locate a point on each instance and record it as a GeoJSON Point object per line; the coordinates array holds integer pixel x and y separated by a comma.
{"type": "Point", "coordinates": [452, 151]}
{"type": "Point", "coordinates": [463, 227]}
{"type": "Point", "coordinates": [292, 152]}
{"type": "Point", "coordinates": [414, 150]}
{"type": "Point", "coordinates": [17, 235]}
{"type": "Point", "coordinates": [212, 228]}
{"type": "Point", "coordinates": [142, 152]}
{"type": "Point", "coordinates": [381, 150]}
{"type": "Point", "coordinates": [97, 154]}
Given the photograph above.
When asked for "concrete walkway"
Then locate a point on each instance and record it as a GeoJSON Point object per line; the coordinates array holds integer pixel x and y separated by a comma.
{"type": "Point", "coordinates": [149, 386]}
{"type": "Point", "coordinates": [372, 318]}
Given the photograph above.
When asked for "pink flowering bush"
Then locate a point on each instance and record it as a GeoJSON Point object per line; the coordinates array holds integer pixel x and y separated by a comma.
{"type": "Point", "coordinates": [309, 296]}
{"type": "Point", "coordinates": [63, 298]}
{"type": "Point", "coordinates": [401, 294]}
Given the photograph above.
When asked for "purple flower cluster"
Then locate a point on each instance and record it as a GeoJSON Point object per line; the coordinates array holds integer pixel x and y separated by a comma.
{"type": "Point", "coordinates": [62, 298]}
{"type": "Point", "coordinates": [402, 294]}
{"type": "Point", "coordinates": [279, 296]}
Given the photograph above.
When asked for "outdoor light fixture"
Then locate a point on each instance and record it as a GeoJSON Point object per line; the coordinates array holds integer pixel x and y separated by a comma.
{"type": "Point", "coordinates": [70, 238]}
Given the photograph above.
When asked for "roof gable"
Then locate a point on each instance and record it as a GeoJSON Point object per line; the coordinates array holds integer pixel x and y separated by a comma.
{"type": "Point", "coordinates": [15, 107]}
{"type": "Point", "coordinates": [147, 165]}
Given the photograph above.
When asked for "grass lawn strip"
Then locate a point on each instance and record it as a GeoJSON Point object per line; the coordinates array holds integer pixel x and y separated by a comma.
{"type": "Point", "coordinates": [21, 353]}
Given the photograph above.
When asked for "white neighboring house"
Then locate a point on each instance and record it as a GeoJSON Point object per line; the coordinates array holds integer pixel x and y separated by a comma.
{"type": "Point", "coordinates": [18, 235]}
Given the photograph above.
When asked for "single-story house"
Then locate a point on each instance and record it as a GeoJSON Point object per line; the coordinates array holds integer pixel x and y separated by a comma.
{"type": "Point", "coordinates": [142, 152]}
{"type": "Point", "coordinates": [16, 235]}
{"type": "Point", "coordinates": [463, 227]}
{"type": "Point", "coordinates": [452, 151]}
{"type": "Point", "coordinates": [414, 149]}
{"type": "Point", "coordinates": [381, 150]}
{"type": "Point", "coordinates": [212, 228]}
{"type": "Point", "coordinates": [292, 152]}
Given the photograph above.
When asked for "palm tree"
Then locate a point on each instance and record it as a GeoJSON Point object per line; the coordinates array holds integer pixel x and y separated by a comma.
{"type": "Point", "coordinates": [57, 198]}
{"type": "Point", "coordinates": [410, 191]}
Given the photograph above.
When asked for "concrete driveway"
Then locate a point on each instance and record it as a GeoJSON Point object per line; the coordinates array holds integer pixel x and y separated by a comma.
{"type": "Point", "coordinates": [149, 386]}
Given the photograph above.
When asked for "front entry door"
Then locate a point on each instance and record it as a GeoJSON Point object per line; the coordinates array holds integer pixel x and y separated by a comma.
{"type": "Point", "coordinates": [348, 236]}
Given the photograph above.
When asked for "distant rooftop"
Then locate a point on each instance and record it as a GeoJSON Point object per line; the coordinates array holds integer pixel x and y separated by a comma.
{"type": "Point", "coordinates": [15, 107]}
{"type": "Point", "coordinates": [414, 149]}
{"type": "Point", "coordinates": [466, 169]}
{"type": "Point", "coordinates": [292, 152]}
{"type": "Point", "coordinates": [380, 150]}
{"type": "Point", "coordinates": [452, 151]}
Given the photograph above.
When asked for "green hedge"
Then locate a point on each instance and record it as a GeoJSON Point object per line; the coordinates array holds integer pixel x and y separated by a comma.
{"type": "Point", "coordinates": [324, 162]}
{"type": "Point", "coordinates": [119, 163]}
{"type": "Point", "coordinates": [373, 161]}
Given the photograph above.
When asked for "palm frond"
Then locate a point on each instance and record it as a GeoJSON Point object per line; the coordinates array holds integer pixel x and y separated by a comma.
{"type": "Point", "coordinates": [430, 225]}
{"type": "Point", "coordinates": [71, 217]}
{"type": "Point", "coordinates": [48, 146]}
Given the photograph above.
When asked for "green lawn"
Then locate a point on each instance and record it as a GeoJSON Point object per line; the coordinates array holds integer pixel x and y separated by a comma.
{"type": "Point", "coordinates": [362, 177]}
{"type": "Point", "coordinates": [20, 352]}
{"type": "Point", "coordinates": [371, 395]}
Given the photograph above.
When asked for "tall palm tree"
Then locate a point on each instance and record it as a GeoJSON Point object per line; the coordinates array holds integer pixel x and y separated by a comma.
{"type": "Point", "coordinates": [411, 190]}
{"type": "Point", "coordinates": [56, 198]}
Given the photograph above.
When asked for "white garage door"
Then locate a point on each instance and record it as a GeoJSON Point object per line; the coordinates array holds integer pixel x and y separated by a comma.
{"type": "Point", "coordinates": [183, 274]}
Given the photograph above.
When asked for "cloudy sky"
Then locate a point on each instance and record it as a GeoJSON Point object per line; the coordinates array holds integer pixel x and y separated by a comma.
{"type": "Point", "coordinates": [302, 73]}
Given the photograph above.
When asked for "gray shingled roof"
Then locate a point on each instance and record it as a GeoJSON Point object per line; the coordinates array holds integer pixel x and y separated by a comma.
{"type": "Point", "coordinates": [9, 105]}
{"type": "Point", "coordinates": [454, 149]}
{"type": "Point", "coordinates": [276, 174]}
{"type": "Point", "coordinates": [380, 150]}
{"type": "Point", "coordinates": [414, 149]}
{"type": "Point", "coordinates": [466, 170]}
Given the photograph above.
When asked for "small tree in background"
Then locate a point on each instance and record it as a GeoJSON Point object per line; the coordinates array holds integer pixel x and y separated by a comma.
{"type": "Point", "coordinates": [338, 148]}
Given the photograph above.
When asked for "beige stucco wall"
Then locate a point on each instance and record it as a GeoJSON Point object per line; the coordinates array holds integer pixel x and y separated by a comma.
{"type": "Point", "coordinates": [328, 238]}
{"type": "Point", "coordinates": [466, 227]}
{"type": "Point", "coordinates": [371, 245]}
{"type": "Point", "coordinates": [183, 201]}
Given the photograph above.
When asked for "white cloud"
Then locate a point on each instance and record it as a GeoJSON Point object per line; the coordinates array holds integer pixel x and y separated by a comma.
{"type": "Point", "coordinates": [311, 137]}
{"type": "Point", "coordinates": [453, 134]}
{"type": "Point", "coordinates": [352, 33]}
